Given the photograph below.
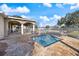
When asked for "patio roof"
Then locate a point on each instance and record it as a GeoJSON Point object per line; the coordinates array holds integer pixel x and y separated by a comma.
{"type": "Point", "coordinates": [21, 19]}
{"type": "Point", "coordinates": [17, 18]}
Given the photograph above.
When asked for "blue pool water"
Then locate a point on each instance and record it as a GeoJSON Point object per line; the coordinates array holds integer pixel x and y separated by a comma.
{"type": "Point", "coordinates": [45, 39]}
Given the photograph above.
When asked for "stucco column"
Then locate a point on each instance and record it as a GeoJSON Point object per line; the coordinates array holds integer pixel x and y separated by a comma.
{"type": "Point", "coordinates": [33, 28]}
{"type": "Point", "coordinates": [22, 32]}
{"type": "Point", "coordinates": [9, 28]}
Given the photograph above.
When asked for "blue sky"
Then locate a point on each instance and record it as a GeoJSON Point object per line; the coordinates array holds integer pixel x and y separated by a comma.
{"type": "Point", "coordinates": [43, 13]}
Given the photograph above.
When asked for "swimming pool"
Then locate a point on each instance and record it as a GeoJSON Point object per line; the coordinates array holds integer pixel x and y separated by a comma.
{"type": "Point", "coordinates": [45, 39]}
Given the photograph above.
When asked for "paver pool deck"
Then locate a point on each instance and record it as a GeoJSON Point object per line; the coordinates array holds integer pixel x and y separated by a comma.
{"type": "Point", "coordinates": [68, 46]}
{"type": "Point", "coordinates": [21, 46]}
{"type": "Point", "coordinates": [18, 45]}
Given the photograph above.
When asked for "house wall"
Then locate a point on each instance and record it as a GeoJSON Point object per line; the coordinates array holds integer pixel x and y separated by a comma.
{"type": "Point", "coordinates": [6, 27]}
{"type": "Point", "coordinates": [1, 27]}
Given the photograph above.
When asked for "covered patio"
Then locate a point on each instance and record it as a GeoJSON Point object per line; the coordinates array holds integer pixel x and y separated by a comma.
{"type": "Point", "coordinates": [20, 26]}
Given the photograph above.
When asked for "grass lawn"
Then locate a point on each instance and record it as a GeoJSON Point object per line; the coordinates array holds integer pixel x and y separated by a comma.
{"type": "Point", "coordinates": [74, 34]}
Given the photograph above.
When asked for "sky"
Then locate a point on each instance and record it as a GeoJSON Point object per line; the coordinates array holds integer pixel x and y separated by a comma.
{"type": "Point", "coordinates": [43, 13]}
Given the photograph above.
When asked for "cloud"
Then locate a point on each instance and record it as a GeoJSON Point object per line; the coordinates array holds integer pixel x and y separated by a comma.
{"type": "Point", "coordinates": [23, 16]}
{"type": "Point", "coordinates": [44, 21]}
{"type": "Point", "coordinates": [41, 25]}
{"type": "Point", "coordinates": [59, 5]}
{"type": "Point", "coordinates": [68, 3]}
{"type": "Point", "coordinates": [5, 8]}
{"type": "Point", "coordinates": [22, 9]}
{"type": "Point", "coordinates": [74, 6]}
{"type": "Point", "coordinates": [47, 4]}
{"type": "Point", "coordinates": [45, 18]}
{"type": "Point", "coordinates": [56, 17]}
{"type": "Point", "coordinates": [51, 21]}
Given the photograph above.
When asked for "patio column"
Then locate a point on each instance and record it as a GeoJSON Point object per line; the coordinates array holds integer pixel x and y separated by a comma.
{"type": "Point", "coordinates": [33, 28]}
{"type": "Point", "coordinates": [10, 28]}
{"type": "Point", "coordinates": [22, 32]}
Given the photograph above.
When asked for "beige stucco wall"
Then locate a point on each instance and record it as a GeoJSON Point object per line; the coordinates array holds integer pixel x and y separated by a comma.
{"type": "Point", "coordinates": [1, 27]}
{"type": "Point", "coordinates": [6, 27]}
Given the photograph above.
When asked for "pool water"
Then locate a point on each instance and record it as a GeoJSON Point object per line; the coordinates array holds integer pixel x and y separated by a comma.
{"type": "Point", "coordinates": [45, 39]}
